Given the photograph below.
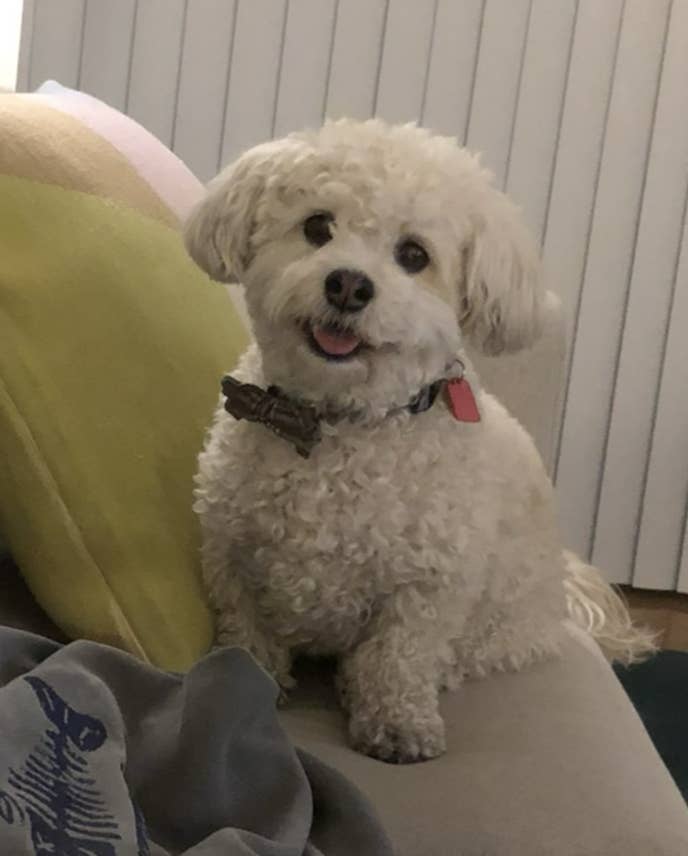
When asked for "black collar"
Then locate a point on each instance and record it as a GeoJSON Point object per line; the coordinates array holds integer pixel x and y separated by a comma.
{"type": "Point", "coordinates": [424, 400]}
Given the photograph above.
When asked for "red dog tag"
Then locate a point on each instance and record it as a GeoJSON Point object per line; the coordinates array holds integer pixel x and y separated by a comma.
{"type": "Point", "coordinates": [461, 400]}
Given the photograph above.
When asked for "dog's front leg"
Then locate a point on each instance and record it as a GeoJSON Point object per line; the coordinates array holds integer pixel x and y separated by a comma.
{"type": "Point", "coordinates": [390, 683]}
{"type": "Point", "coordinates": [237, 626]}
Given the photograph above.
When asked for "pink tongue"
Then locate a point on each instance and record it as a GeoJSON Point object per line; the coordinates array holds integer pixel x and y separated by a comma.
{"type": "Point", "coordinates": [337, 343]}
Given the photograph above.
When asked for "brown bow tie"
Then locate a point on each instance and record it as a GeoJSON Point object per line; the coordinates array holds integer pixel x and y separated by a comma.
{"type": "Point", "coordinates": [294, 421]}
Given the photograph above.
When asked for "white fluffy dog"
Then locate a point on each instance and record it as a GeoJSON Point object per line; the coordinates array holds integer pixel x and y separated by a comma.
{"type": "Point", "coordinates": [415, 544]}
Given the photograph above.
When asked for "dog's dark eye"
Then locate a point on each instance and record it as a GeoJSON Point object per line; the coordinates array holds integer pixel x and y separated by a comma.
{"type": "Point", "coordinates": [317, 228]}
{"type": "Point", "coordinates": [411, 256]}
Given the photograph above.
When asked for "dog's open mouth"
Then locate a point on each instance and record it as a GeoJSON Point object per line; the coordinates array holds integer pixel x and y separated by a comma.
{"type": "Point", "coordinates": [333, 342]}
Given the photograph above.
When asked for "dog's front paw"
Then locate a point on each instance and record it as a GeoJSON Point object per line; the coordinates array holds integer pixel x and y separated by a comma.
{"type": "Point", "coordinates": [406, 743]}
{"type": "Point", "coordinates": [268, 654]}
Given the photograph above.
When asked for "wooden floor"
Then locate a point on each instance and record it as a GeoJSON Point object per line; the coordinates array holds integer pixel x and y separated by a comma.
{"type": "Point", "coordinates": [666, 612]}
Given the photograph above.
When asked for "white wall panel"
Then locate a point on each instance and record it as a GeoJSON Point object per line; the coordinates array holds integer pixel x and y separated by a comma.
{"type": "Point", "coordinates": [540, 105]}
{"type": "Point", "coordinates": [25, 46]}
{"type": "Point", "coordinates": [56, 42]}
{"type": "Point", "coordinates": [608, 265]}
{"type": "Point", "coordinates": [254, 75]}
{"type": "Point", "coordinates": [647, 316]}
{"type": "Point", "coordinates": [203, 81]}
{"type": "Point", "coordinates": [106, 53]}
{"type": "Point", "coordinates": [304, 68]}
{"type": "Point", "coordinates": [683, 568]}
{"type": "Point", "coordinates": [405, 57]}
{"type": "Point", "coordinates": [663, 516]}
{"type": "Point", "coordinates": [497, 80]}
{"type": "Point", "coordinates": [576, 170]}
{"type": "Point", "coordinates": [155, 65]}
{"type": "Point", "coordinates": [355, 58]}
{"type": "Point", "coordinates": [451, 71]}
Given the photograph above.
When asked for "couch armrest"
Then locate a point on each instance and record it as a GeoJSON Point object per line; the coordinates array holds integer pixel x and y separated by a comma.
{"type": "Point", "coordinates": [553, 761]}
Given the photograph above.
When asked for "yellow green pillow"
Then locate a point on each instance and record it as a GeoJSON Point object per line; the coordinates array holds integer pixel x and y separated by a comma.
{"type": "Point", "coordinates": [112, 345]}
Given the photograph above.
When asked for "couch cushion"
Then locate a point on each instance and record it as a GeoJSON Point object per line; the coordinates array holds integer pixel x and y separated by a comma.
{"type": "Point", "coordinates": [552, 761]}
{"type": "Point", "coordinates": [113, 344]}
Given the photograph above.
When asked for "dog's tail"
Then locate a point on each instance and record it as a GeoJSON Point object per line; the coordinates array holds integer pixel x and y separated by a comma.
{"type": "Point", "coordinates": [600, 609]}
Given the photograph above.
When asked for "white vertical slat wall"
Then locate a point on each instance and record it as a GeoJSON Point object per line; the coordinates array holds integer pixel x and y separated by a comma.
{"type": "Point", "coordinates": [304, 64]}
{"type": "Point", "coordinates": [580, 108]}
{"type": "Point", "coordinates": [494, 102]}
{"type": "Point", "coordinates": [608, 261]}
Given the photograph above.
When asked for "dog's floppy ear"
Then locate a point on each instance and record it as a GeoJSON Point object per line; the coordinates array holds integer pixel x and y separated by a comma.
{"type": "Point", "coordinates": [501, 293]}
{"type": "Point", "coordinates": [218, 231]}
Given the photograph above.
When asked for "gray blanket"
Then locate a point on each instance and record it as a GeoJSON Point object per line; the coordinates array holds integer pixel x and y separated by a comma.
{"type": "Point", "coordinates": [101, 755]}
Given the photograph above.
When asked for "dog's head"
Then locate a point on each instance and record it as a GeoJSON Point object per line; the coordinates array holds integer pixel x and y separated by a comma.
{"type": "Point", "coordinates": [366, 250]}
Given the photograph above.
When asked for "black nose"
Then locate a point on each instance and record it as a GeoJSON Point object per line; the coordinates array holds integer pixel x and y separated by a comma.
{"type": "Point", "coordinates": [348, 290]}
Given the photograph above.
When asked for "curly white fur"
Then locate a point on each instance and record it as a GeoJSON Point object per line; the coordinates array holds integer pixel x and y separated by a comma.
{"type": "Point", "coordinates": [600, 610]}
{"type": "Point", "coordinates": [417, 549]}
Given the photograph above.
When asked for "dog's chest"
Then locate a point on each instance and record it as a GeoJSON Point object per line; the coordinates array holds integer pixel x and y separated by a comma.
{"type": "Point", "coordinates": [324, 539]}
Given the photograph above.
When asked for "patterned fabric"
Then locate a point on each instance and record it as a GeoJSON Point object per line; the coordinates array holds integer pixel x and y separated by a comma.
{"type": "Point", "coordinates": [101, 755]}
{"type": "Point", "coordinates": [53, 793]}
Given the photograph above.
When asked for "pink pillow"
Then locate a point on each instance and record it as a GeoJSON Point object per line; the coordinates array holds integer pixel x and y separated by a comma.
{"type": "Point", "coordinates": [167, 175]}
